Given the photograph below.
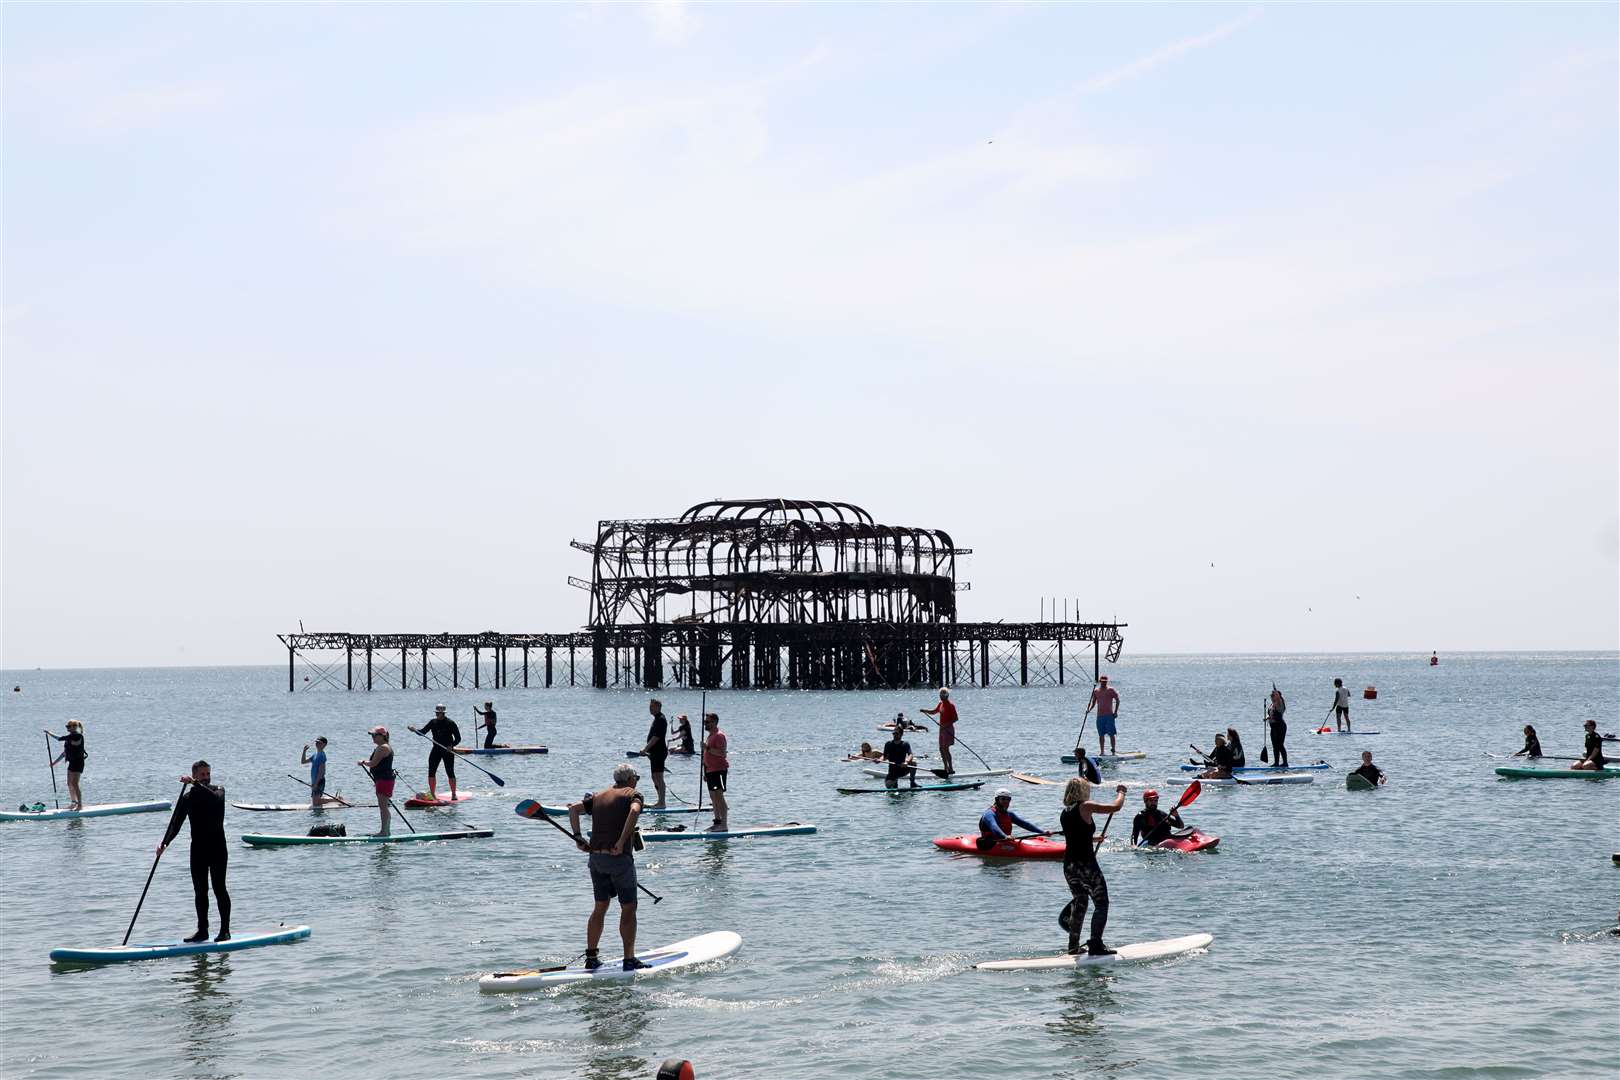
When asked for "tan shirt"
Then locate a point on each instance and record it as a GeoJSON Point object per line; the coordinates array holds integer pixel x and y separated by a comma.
{"type": "Point", "coordinates": [609, 811]}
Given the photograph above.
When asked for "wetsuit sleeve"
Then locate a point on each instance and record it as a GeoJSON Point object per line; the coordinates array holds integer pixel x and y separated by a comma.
{"type": "Point", "coordinates": [1136, 828]}
{"type": "Point", "coordinates": [184, 807]}
{"type": "Point", "coordinates": [1022, 823]}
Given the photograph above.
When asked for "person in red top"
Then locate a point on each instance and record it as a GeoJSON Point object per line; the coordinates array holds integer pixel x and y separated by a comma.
{"type": "Point", "coordinates": [715, 768]}
{"type": "Point", "coordinates": [945, 713]}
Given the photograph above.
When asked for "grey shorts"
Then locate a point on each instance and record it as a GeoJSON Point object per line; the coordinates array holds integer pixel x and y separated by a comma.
{"type": "Point", "coordinates": [613, 876]}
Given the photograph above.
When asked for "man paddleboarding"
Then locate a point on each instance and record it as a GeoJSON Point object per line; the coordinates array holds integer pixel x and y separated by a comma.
{"type": "Point", "coordinates": [1080, 868]}
{"type": "Point", "coordinates": [380, 765]}
{"type": "Point", "coordinates": [1106, 700]}
{"type": "Point", "coordinates": [445, 734]}
{"type": "Point", "coordinates": [612, 863]}
{"type": "Point", "coordinates": [945, 715]}
{"type": "Point", "coordinates": [656, 748]}
{"type": "Point", "coordinates": [716, 767]}
{"type": "Point", "coordinates": [1341, 705]}
{"type": "Point", "coordinates": [996, 823]}
{"type": "Point", "coordinates": [1368, 771]}
{"type": "Point", "coordinates": [486, 720]}
{"type": "Point", "coordinates": [317, 770]}
{"type": "Point", "coordinates": [897, 752]}
{"type": "Point", "coordinates": [1592, 751]}
{"type": "Point", "coordinates": [1153, 826]}
{"type": "Point", "coordinates": [204, 806]}
{"type": "Point", "coordinates": [73, 753]}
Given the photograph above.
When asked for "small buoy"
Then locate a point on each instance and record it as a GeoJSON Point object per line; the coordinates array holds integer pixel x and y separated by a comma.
{"type": "Point", "coordinates": [676, 1069]}
{"type": "Point", "coordinates": [1371, 693]}
{"type": "Point", "coordinates": [16, 689]}
{"type": "Point", "coordinates": [1434, 659]}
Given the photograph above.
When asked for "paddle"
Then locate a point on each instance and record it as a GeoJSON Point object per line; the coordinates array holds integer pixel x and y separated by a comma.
{"type": "Point", "coordinates": [1263, 758]}
{"type": "Point", "coordinates": [391, 802]}
{"type": "Point", "coordinates": [703, 744]}
{"type": "Point", "coordinates": [1080, 737]}
{"type": "Point", "coordinates": [173, 819]}
{"type": "Point", "coordinates": [464, 757]}
{"type": "Point", "coordinates": [335, 798]}
{"type": "Point", "coordinates": [985, 841]}
{"type": "Point", "coordinates": [50, 759]}
{"type": "Point", "coordinates": [1100, 836]}
{"type": "Point", "coordinates": [1192, 792]}
{"type": "Point", "coordinates": [529, 808]}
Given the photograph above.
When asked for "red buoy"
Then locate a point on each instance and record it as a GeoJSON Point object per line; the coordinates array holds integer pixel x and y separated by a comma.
{"type": "Point", "coordinates": [1371, 693]}
{"type": "Point", "coordinates": [676, 1069]}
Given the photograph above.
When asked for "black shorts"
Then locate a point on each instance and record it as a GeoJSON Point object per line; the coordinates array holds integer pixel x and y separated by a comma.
{"type": "Point", "coordinates": [656, 759]}
{"type": "Point", "coordinates": [613, 877]}
{"type": "Point", "coordinates": [899, 772]}
{"type": "Point", "coordinates": [715, 781]}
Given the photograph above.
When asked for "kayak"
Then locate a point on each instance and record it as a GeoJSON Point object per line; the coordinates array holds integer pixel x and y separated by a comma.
{"type": "Point", "coordinates": [562, 811]}
{"type": "Point", "coordinates": [1196, 841]}
{"type": "Point", "coordinates": [1241, 781]}
{"type": "Point", "coordinates": [104, 810]}
{"type": "Point", "coordinates": [696, 950]}
{"type": "Point", "coordinates": [907, 789]}
{"type": "Point", "coordinates": [284, 806]}
{"type": "Point", "coordinates": [792, 828]}
{"type": "Point", "coordinates": [1319, 731]}
{"type": "Point", "coordinates": [1033, 847]}
{"type": "Point", "coordinates": [293, 840]}
{"type": "Point", "coordinates": [501, 750]}
{"type": "Point", "coordinates": [120, 953]}
{"type": "Point", "coordinates": [1315, 766]}
{"type": "Point", "coordinates": [1356, 782]}
{"type": "Point", "coordinates": [672, 753]}
{"type": "Point", "coordinates": [1107, 759]}
{"type": "Point", "coordinates": [426, 802]}
{"type": "Point", "coordinates": [1127, 954]}
{"type": "Point", "coordinates": [1515, 773]}
{"type": "Point", "coordinates": [969, 774]}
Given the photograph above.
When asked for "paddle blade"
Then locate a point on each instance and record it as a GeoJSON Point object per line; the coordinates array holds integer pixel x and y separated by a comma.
{"type": "Point", "coordinates": [498, 781]}
{"type": "Point", "coordinates": [528, 808]}
{"type": "Point", "coordinates": [1192, 792]}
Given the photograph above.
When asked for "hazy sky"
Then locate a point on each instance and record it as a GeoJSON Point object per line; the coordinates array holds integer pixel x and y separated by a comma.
{"type": "Point", "coordinates": [1260, 328]}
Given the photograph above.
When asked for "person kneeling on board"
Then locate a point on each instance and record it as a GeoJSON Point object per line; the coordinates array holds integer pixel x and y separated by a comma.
{"type": "Point", "coordinates": [204, 805]}
{"type": "Point", "coordinates": [1220, 761]}
{"type": "Point", "coordinates": [996, 823]}
{"type": "Point", "coordinates": [614, 813]}
{"type": "Point", "coordinates": [1592, 755]}
{"type": "Point", "coordinates": [1368, 771]}
{"type": "Point", "coordinates": [1080, 868]}
{"type": "Point", "coordinates": [897, 752]}
{"type": "Point", "coordinates": [1152, 825]}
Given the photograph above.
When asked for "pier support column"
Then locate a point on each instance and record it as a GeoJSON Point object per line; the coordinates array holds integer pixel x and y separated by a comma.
{"type": "Point", "coordinates": [984, 662]}
{"type": "Point", "coordinates": [348, 665]}
{"type": "Point", "coordinates": [475, 667]}
{"type": "Point", "coordinates": [526, 666]}
{"type": "Point", "coordinates": [1060, 661]}
{"type": "Point", "coordinates": [548, 665]}
{"type": "Point", "coordinates": [291, 677]}
{"type": "Point", "coordinates": [368, 667]}
{"type": "Point", "coordinates": [424, 666]}
{"type": "Point", "coordinates": [599, 660]}
{"type": "Point", "coordinates": [1023, 661]}
{"type": "Point", "coordinates": [455, 667]}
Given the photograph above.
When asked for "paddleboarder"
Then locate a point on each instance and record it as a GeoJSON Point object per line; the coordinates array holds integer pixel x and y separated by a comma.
{"type": "Point", "coordinates": [683, 735]}
{"type": "Point", "coordinates": [1278, 727]}
{"type": "Point", "coordinates": [1592, 753]}
{"type": "Point", "coordinates": [445, 734]}
{"type": "Point", "coordinates": [203, 805]}
{"type": "Point", "coordinates": [1532, 745]}
{"type": "Point", "coordinates": [1368, 771]}
{"type": "Point", "coordinates": [1152, 826]}
{"type": "Point", "coordinates": [1235, 744]}
{"type": "Point", "coordinates": [656, 749]}
{"type": "Point", "coordinates": [1080, 868]}
{"type": "Point", "coordinates": [612, 863]}
{"type": "Point", "coordinates": [486, 717]}
{"type": "Point", "coordinates": [317, 770]}
{"type": "Point", "coordinates": [1106, 701]}
{"type": "Point", "coordinates": [1219, 761]}
{"type": "Point", "coordinates": [1341, 705]}
{"type": "Point", "coordinates": [897, 752]}
{"type": "Point", "coordinates": [1086, 767]}
{"type": "Point", "coordinates": [866, 753]}
{"type": "Point", "coordinates": [381, 767]}
{"type": "Point", "coordinates": [715, 768]}
{"type": "Point", "coordinates": [945, 714]}
{"type": "Point", "coordinates": [73, 753]}
{"type": "Point", "coordinates": [996, 823]}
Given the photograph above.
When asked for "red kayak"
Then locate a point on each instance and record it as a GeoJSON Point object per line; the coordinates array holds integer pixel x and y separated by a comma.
{"type": "Point", "coordinates": [1035, 847]}
{"type": "Point", "coordinates": [419, 801]}
{"type": "Point", "coordinates": [1197, 841]}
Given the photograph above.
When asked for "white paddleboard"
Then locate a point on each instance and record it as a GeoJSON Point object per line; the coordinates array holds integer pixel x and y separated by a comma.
{"type": "Point", "coordinates": [960, 774]}
{"type": "Point", "coordinates": [104, 810]}
{"type": "Point", "coordinates": [696, 950]}
{"type": "Point", "coordinates": [792, 828]}
{"type": "Point", "coordinates": [1127, 954]}
{"type": "Point", "coordinates": [1249, 779]}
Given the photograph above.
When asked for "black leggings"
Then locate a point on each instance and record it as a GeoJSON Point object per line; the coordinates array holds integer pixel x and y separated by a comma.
{"type": "Point", "coordinates": [1279, 735]}
{"type": "Point", "coordinates": [437, 755]}
{"type": "Point", "coordinates": [489, 737]}
{"type": "Point", "coordinates": [208, 864]}
{"type": "Point", "coordinates": [1086, 883]}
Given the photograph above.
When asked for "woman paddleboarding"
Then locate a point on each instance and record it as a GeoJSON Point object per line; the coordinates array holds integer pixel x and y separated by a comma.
{"type": "Point", "coordinates": [381, 767]}
{"type": "Point", "coordinates": [1081, 870]}
{"type": "Point", "coordinates": [73, 753]}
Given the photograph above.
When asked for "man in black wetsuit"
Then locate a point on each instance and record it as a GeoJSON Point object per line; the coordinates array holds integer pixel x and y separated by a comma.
{"type": "Point", "coordinates": [657, 748]}
{"type": "Point", "coordinates": [1592, 752]}
{"type": "Point", "coordinates": [204, 804]}
{"type": "Point", "coordinates": [444, 733]}
{"type": "Point", "coordinates": [897, 752]}
{"type": "Point", "coordinates": [1368, 771]}
{"type": "Point", "coordinates": [1152, 825]}
{"type": "Point", "coordinates": [487, 716]}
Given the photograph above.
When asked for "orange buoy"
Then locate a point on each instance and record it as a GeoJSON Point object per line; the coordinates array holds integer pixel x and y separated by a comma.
{"type": "Point", "coordinates": [1371, 693]}
{"type": "Point", "coordinates": [676, 1069]}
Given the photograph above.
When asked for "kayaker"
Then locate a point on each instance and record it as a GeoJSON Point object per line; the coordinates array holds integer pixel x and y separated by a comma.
{"type": "Point", "coordinates": [1341, 705]}
{"type": "Point", "coordinates": [683, 735]}
{"type": "Point", "coordinates": [897, 752]}
{"type": "Point", "coordinates": [1080, 869]}
{"type": "Point", "coordinates": [317, 770]}
{"type": "Point", "coordinates": [1152, 825]}
{"type": "Point", "coordinates": [1235, 744]}
{"type": "Point", "coordinates": [1532, 744]}
{"type": "Point", "coordinates": [1370, 772]}
{"type": "Point", "coordinates": [1106, 700]}
{"type": "Point", "coordinates": [996, 823]}
{"type": "Point", "coordinates": [945, 714]}
{"type": "Point", "coordinates": [381, 767]}
{"type": "Point", "coordinates": [715, 768]}
{"type": "Point", "coordinates": [1219, 759]}
{"type": "Point", "coordinates": [1592, 754]}
{"type": "Point", "coordinates": [612, 863]}
{"type": "Point", "coordinates": [445, 734]}
{"type": "Point", "coordinates": [204, 805]}
{"type": "Point", "coordinates": [656, 748]}
{"type": "Point", "coordinates": [486, 717]}
{"type": "Point", "coordinates": [73, 753]}
{"type": "Point", "coordinates": [1278, 727]}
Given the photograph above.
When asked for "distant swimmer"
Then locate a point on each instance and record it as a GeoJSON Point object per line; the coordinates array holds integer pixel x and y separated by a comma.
{"type": "Point", "coordinates": [1081, 872]}
{"type": "Point", "coordinates": [1592, 752]}
{"type": "Point", "coordinates": [1532, 745]}
{"type": "Point", "coordinates": [945, 714]}
{"type": "Point", "coordinates": [73, 753]}
{"type": "Point", "coordinates": [1106, 701]}
{"type": "Point", "coordinates": [1368, 771]}
{"type": "Point", "coordinates": [204, 805]}
{"type": "Point", "coordinates": [380, 765]}
{"type": "Point", "coordinates": [897, 752]}
{"type": "Point", "coordinates": [1341, 705]}
{"type": "Point", "coordinates": [317, 770]}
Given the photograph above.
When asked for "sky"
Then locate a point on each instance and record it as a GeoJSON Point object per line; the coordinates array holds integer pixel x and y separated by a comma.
{"type": "Point", "coordinates": [1259, 328]}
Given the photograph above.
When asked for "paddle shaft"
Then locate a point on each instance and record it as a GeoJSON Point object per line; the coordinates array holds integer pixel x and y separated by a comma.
{"type": "Point", "coordinates": [1264, 729]}
{"type": "Point", "coordinates": [655, 897]}
{"type": "Point", "coordinates": [703, 744]}
{"type": "Point", "coordinates": [391, 802]}
{"type": "Point", "coordinates": [335, 798]}
{"type": "Point", "coordinates": [50, 759]}
{"type": "Point", "coordinates": [173, 818]}
{"type": "Point", "coordinates": [498, 781]}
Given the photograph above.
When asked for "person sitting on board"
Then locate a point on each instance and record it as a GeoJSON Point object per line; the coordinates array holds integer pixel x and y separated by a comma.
{"type": "Point", "coordinates": [380, 767]}
{"type": "Point", "coordinates": [1220, 761]}
{"type": "Point", "coordinates": [945, 714]}
{"type": "Point", "coordinates": [1106, 699]}
{"type": "Point", "coordinates": [1592, 754]}
{"type": "Point", "coordinates": [1085, 766]}
{"type": "Point", "coordinates": [445, 735]}
{"type": "Point", "coordinates": [317, 770]}
{"type": "Point", "coordinates": [204, 805]}
{"type": "Point", "coordinates": [996, 823]}
{"type": "Point", "coordinates": [897, 752]}
{"type": "Point", "coordinates": [716, 766]}
{"type": "Point", "coordinates": [1152, 825]}
{"type": "Point", "coordinates": [1239, 759]}
{"type": "Point", "coordinates": [866, 753]}
{"type": "Point", "coordinates": [74, 754]}
{"type": "Point", "coordinates": [683, 735]}
{"type": "Point", "coordinates": [1532, 744]}
{"type": "Point", "coordinates": [486, 717]}
{"type": "Point", "coordinates": [1368, 771]}
{"type": "Point", "coordinates": [1080, 869]}
{"type": "Point", "coordinates": [656, 749]}
{"type": "Point", "coordinates": [612, 863]}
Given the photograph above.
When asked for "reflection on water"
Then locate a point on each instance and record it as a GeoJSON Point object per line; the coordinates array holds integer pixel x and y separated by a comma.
{"type": "Point", "coordinates": [616, 1016]}
{"type": "Point", "coordinates": [715, 858]}
{"type": "Point", "coordinates": [207, 1011]}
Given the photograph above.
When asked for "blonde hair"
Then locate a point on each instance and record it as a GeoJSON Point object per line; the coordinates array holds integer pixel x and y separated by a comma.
{"type": "Point", "coordinates": [1076, 791]}
{"type": "Point", "coordinates": [76, 725]}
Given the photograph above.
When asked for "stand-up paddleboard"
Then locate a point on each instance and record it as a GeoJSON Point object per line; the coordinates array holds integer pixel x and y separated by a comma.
{"type": "Point", "coordinates": [1196, 841]}
{"type": "Point", "coordinates": [289, 840]}
{"type": "Point", "coordinates": [420, 801]}
{"type": "Point", "coordinates": [960, 774]}
{"type": "Point", "coordinates": [265, 808]}
{"type": "Point", "coordinates": [1127, 954]}
{"type": "Point", "coordinates": [522, 809]}
{"type": "Point", "coordinates": [672, 753]}
{"type": "Point", "coordinates": [1514, 773]}
{"type": "Point", "coordinates": [1032, 847]}
{"type": "Point", "coordinates": [1528, 757]}
{"type": "Point", "coordinates": [501, 750]}
{"type": "Point", "coordinates": [1315, 766]}
{"type": "Point", "coordinates": [907, 789]}
{"type": "Point", "coordinates": [1356, 782]}
{"type": "Point", "coordinates": [1257, 780]}
{"type": "Point", "coordinates": [104, 810]}
{"type": "Point", "coordinates": [1031, 779]}
{"type": "Point", "coordinates": [682, 954]}
{"type": "Point", "coordinates": [117, 954]}
{"type": "Point", "coordinates": [792, 828]}
{"type": "Point", "coordinates": [1107, 759]}
{"type": "Point", "coordinates": [1319, 731]}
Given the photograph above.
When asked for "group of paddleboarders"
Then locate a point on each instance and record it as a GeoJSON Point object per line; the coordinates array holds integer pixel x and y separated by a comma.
{"type": "Point", "coordinates": [73, 752]}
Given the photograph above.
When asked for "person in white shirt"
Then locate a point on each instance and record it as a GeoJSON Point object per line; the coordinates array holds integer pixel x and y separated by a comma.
{"type": "Point", "coordinates": [1341, 705]}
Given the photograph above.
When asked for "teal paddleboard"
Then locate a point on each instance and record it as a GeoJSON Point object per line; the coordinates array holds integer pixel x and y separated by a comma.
{"type": "Point", "coordinates": [1356, 782]}
{"type": "Point", "coordinates": [122, 953]}
{"type": "Point", "coordinates": [1513, 772]}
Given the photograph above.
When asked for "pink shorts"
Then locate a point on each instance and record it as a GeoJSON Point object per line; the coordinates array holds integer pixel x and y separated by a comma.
{"type": "Point", "coordinates": [947, 737]}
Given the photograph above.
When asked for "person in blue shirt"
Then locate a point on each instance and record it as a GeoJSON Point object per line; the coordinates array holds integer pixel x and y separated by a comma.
{"type": "Point", "coordinates": [317, 770]}
{"type": "Point", "coordinates": [996, 823]}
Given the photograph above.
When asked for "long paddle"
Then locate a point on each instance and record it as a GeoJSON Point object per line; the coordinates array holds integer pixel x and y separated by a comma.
{"type": "Point", "coordinates": [391, 802]}
{"type": "Point", "coordinates": [335, 798]}
{"type": "Point", "coordinates": [1263, 732]}
{"type": "Point", "coordinates": [174, 817]}
{"type": "Point", "coordinates": [50, 759]}
{"type": "Point", "coordinates": [464, 758]}
{"type": "Point", "coordinates": [1192, 792]}
{"type": "Point", "coordinates": [1081, 736]}
{"type": "Point", "coordinates": [531, 809]}
{"type": "Point", "coordinates": [703, 744]}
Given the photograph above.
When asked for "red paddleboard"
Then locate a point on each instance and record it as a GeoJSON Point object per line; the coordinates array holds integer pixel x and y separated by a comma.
{"type": "Point", "coordinates": [1037, 847]}
{"type": "Point", "coordinates": [419, 801]}
{"type": "Point", "coordinates": [1196, 842]}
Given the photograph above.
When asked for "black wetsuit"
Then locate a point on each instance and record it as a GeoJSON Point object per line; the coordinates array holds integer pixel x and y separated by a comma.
{"type": "Point", "coordinates": [1532, 747]}
{"type": "Point", "coordinates": [441, 729]}
{"type": "Point", "coordinates": [73, 751]}
{"type": "Point", "coordinates": [657, 743]}
{"type": "Point", "coordinates": [895, 752]}
{"type": "Point", "coordinates": [1221, 758]}
{"type": "Point", "coordinates": [205, 807]}
{"type": "Point", "coordinates": [1153, 825]}
{"type": "Point", "coordinates": [1083, 875]}
{"type": "Point", "coordinates": [1370, 773]}
{"type": "Point", "coordinates": [1239, 759]}
{"type": "Point", "coordinates": [1085, 766]}
{"type": "Point", "coordinates": [489, 727]}
{"type": "Point", "coordinates": [1594, 749]}
{"type": "Point", "coordinates": [684, 733]}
